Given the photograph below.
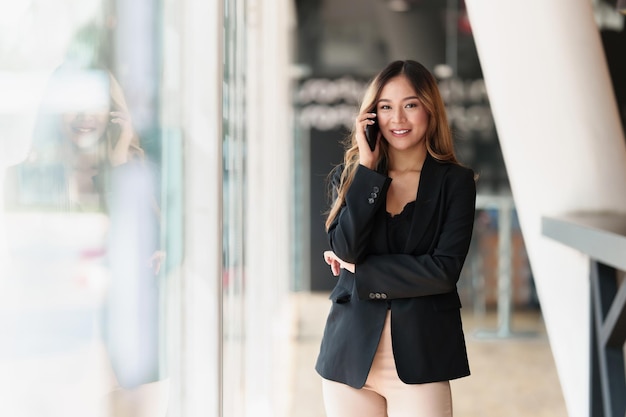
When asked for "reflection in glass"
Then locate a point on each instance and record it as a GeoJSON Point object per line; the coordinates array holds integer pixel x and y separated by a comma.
{"type": "Point", "coordinates": [82, 231]}
{"type": "Point", "coordinates": [83, 277]}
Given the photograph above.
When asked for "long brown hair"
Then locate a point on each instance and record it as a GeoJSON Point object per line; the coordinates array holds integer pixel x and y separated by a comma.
{"type": "Point", "coordinates": [438, 136]}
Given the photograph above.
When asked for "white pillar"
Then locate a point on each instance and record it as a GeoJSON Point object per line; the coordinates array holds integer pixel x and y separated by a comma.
{"type": "Point", "coordinates": [564, 150]}
{"type": "Point", "coordinates": [269, 202]}
{"type": "Point", "coordinates": [192, 108]}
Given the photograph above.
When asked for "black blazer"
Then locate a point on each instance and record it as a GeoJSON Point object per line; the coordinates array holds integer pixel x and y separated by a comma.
{"type": "Point", "coordinates": [418, 285]}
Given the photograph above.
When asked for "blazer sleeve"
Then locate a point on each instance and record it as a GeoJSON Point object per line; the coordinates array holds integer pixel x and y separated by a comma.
{"type": "Point", "coordinates": [350, 232]}
{"type": "Point", "coordinates": [407, 275]}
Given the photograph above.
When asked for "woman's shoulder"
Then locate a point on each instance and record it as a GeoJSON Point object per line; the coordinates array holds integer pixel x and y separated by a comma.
{"type": "Point", "coordinates": [455, 169]}
{"type": "Point", "coordinates": [460, 177]}
{"type": "Point", "coordinates": [461, 170]}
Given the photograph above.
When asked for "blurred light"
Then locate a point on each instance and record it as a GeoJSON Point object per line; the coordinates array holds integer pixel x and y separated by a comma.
{"type": "Point", "coordinates": [608, 16]}
{"type": "Point", "coordinates": [399, 5]}
{"type": "Point", "coordinates": [621, 6]}
{"type": "Point", "coordinates": [443, 71]}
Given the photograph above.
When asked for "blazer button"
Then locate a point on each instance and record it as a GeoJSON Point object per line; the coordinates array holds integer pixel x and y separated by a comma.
{"type": "Point", "coordinates": [373, 195]}
{"type": "Point", "coordinates": [375, 189]}
{"type": "Point", "coordinates": [370, 200]}
{"type": "Point", "coordinates": [383, 296]}
{"type": "Point", "coordinates": [378, 295]}
{"type": "Point", "coordinates": [372, 295]}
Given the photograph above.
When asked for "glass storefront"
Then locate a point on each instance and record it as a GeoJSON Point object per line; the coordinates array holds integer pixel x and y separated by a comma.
{"type": "Point", "coordinates": [122, 224]}
{"type": "Point", "coordinates": [134, 278]}
{"type": "Point", "coordinates": [91, 216]}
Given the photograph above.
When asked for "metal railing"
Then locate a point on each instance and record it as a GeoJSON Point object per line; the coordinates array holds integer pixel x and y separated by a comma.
{"type": "Point", "coordinates": [602, 236]}
{"type": "Point", "coordinates": [505, 207]}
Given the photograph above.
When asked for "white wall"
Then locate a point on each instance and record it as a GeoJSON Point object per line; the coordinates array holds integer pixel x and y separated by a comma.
{"type": "Point", "coordinates": [563, 146]}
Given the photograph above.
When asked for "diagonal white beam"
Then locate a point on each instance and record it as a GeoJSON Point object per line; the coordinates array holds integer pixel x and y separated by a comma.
{"type": "Point", "coordinates": [563, 147]}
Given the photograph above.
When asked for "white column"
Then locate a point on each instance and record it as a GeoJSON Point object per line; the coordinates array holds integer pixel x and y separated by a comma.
{"type": "Point", "coordinates": [563, 146]}
{"type": "Point", "coordinates": [194, 67]}
{"type": "Point", "coordinates": [268, 215]}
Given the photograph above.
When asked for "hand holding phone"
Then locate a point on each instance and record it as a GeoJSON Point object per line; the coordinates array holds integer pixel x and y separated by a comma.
{"type": "Point", "coordinates": [371, 133]}
{"type": "Point", "coordinates": [121, 136]}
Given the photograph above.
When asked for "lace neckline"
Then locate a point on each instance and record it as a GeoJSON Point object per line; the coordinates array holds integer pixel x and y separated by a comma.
{"type": "Point", "coordinates": [408, 206]}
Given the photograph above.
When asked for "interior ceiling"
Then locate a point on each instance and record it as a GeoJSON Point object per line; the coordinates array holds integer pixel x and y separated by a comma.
{"type": "Point", "coordinates": [361, 36]}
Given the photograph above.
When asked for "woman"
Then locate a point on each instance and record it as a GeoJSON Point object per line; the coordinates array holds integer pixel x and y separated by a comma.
{"type": "Point", "coordinates": [399, 228]}
{"type": "Point", "coordinates": [82, 136]}
{"type": "Point", "coordinates": [87, 164]}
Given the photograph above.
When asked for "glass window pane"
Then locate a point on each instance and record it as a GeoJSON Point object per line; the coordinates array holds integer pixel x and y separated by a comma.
{"type": "Point", "coordinates": [83, 227]}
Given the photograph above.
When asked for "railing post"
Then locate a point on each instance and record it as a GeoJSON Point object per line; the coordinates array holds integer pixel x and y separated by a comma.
{"type": "Point", "coordinates": [505, 207]}
{"type": "Point", "coordinates": [607, 361]}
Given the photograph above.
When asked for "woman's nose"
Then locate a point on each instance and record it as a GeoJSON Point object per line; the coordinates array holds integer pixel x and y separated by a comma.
{"type": "Point", "coordinates": [398, 115]}
{"type": "Point", "coordinates": [84, 115]}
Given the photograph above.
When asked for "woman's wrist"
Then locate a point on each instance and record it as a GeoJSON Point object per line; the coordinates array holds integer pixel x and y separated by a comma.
{"type": "Point", "coordinates": [369, 164]}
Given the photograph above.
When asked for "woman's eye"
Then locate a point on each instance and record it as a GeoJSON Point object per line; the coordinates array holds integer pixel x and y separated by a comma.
{"type": "Point", "coordinates": [411, 105]}
{"type": "Point", "coordinates": [385, 107]}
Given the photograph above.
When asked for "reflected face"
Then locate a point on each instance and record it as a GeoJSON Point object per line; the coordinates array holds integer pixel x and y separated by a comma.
{"type": "Point", "coordinates": [402, 118]}
{"type": "Point", "coordinates": [85, 129]}
{"type": "Point", "coordinates": [82, 98]}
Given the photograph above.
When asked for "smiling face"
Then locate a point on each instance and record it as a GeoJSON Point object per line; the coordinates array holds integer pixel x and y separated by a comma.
{"type": "Point", "coordinates": [86, 128]}
{"type": "Point", "coordinates": [402, 118]}
{"type": "Point", "coordinates": [83, 100]}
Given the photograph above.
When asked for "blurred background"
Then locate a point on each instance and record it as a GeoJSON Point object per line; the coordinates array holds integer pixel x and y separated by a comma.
{"type": "Point", "coordinates": [163, 179]}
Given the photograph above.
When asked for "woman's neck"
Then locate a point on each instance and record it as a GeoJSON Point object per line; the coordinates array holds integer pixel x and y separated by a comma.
{"type": "Point", "coordinates": [406, 161]}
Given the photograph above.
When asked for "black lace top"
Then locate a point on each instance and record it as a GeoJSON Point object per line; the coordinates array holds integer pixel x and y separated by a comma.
{"type": "Point", "coordinates": [398, 227]}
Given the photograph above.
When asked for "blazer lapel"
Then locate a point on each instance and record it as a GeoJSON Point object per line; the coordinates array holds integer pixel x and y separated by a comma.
{"type": "Point", "coordinates": [426, 200]}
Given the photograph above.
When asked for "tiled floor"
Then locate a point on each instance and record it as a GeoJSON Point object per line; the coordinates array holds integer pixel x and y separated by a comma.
{"type": "Point", "coordinates": [511, 377]}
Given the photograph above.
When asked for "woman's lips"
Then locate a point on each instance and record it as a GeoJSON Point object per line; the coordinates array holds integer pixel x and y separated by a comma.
{"type": "Point", "coordinates": [400, 132]}
{"type": "Point", "coordinates": [83, 129]}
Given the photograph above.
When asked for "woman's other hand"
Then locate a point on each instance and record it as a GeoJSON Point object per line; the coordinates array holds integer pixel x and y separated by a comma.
{"type": "Point", "coordinates": [156, 260]}
{"type": "Point", "coordinates": [336, 263]}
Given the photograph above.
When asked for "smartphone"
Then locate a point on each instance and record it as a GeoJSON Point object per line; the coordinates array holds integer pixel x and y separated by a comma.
{"type": "Point", "coordinates": [371, 133]}
{"type": "Point", "coordinates": [115, 130]}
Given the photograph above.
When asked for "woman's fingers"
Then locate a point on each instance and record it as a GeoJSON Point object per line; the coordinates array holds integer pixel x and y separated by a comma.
{"type": "Point", "coordinates": [120, 115]}
{"type": "Point", "coordinates": [329, 256]}
{"type": "Point", "coordinates": [156, 260]}
{"type": "Point", "coordinates": [367, 157]}
{"type": "Point", "coordinates": [332, 260]}
{"type": "Point", "coordinates": [364, 120]}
